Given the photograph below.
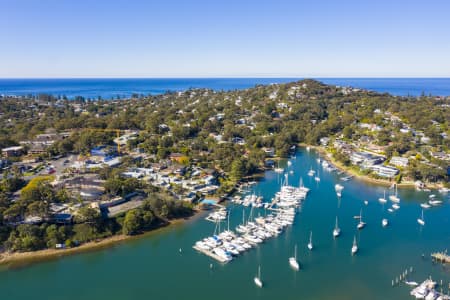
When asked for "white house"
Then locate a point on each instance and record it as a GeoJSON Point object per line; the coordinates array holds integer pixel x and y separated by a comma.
{"type": "Point", "coordinates": [399, 161]}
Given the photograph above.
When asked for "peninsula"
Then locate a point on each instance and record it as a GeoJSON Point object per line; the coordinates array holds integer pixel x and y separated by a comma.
{"type": "Point", "coordinates": [82, 170]}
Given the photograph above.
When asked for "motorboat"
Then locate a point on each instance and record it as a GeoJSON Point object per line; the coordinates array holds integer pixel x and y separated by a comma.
{"type": "Point", "coordinates": [421, 220]}
{"type": "Point", "coordinates": [425, 205]}
{"type": "Point", "coordinates": [293, 262]}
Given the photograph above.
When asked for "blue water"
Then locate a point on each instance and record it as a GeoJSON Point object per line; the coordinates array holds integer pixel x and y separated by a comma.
{"type": "Point", "coordinates": [111, 88]}
{"type": "Point", "coordinates": [152, 267]}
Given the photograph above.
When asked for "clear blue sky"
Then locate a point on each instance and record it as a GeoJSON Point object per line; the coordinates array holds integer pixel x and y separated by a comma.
{"type": "Point", "coordinates": [224, 38]}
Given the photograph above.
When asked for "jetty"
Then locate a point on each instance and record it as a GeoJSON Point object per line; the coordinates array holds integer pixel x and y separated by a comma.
{"type": "Point", "coordinates": [441, 257]}
{"type": "Point", "coordinates": [211, 254]}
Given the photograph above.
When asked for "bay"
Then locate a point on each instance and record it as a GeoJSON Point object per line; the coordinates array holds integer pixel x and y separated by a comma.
{"type": "Point", "coordinates": [153, 267]}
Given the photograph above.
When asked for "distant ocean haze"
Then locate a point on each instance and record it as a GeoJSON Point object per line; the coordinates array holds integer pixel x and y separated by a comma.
{"type": "Point", "coordinates": [113, 88]}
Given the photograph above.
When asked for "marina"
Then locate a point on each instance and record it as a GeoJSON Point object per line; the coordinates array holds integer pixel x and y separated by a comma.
{"type": "Point", "coordinates": [223, 246]}
{"type": "Point", "coordinates": [150, 264]}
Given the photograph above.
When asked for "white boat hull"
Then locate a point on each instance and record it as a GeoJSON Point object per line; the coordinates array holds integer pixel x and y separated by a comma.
{"type": "Point", "coordinates": [258, 282]}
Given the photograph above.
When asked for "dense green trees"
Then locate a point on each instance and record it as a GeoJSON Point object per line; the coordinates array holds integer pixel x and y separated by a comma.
{"type": "Point", "coordinates": [201, 124]}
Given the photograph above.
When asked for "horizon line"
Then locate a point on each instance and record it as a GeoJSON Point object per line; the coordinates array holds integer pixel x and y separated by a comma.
{"type": "Point", "coordinates": [236, 77]}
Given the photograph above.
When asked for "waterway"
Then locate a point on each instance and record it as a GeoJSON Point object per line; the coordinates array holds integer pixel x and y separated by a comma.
{"type": "Point", "coordinates": [153, 267]}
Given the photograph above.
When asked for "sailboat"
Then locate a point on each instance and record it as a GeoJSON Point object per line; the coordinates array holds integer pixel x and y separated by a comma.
{"type": "Point", "coordinates": [421, 220]}
{"type": "Point", "coordinates": [355, 246]}
{"type": "Point", "coordinates": [384, 222]}
{"type": "Point", "coordinates": [317, 178]}
{"type": "Point", "coordinates": [361, 224]}
{"type": "Point", "coordinates": [394, 198]}
{"type": "Point", "coordinates": [310, 244]}
{"type": "Point", "coordinates": [383, 200]}
{"type": "Point", "coordinates": [293, 260]}
{"type": "Point", "coordinates": [257, 278]}
{"type": "Point", "coordinates": [311, 172]}
{"type": "Point", "coordinates": [336, 230]}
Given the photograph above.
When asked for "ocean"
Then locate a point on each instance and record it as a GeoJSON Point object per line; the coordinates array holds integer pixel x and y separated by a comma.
{"type": "Point", "coordinates": [125, 87]}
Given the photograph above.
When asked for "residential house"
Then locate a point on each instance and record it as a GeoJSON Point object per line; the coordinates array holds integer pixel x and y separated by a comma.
{"type": "Point", "coordinates": [12, 151]}
{"type": "Point", "coordinates": [399, 161]}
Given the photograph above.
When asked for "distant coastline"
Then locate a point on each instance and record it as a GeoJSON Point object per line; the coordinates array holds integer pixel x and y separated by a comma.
{"type": "Point", "coordinates": [112, 88]}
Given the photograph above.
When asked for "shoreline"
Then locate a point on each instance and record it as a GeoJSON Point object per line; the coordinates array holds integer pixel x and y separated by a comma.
{"type": "Point", "coordinates": [364, 178]}
{"type": "Point", "coordinates": [14, 259]}
{"type": "Point", "coordinates": [19, 259]}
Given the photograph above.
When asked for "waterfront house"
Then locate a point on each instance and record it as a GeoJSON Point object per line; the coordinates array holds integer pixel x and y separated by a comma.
{"type": "Point", "coordinates": [324, 141]}
{"type": "Point", "coordinates": [269, 152]}
{"type": "Point", "coordinates": [384, 171]}
{"type": "Point", "coordinates": [399, 161]}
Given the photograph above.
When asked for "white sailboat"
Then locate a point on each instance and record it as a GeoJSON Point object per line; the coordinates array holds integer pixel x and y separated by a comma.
{"type": "Point", "coordinates": [384, 222]}
{"type": "Point", "coordinates": [355, 246]}
{"type": "Point", "coordinates": [394, 198]}
{"type": "Point", "coordinates": [361, 224]}
{"type": "Point", "coordinates": [317, 178]}
{"type": "Point", "coordinates": [421, 220]}
{"type": "Point", "coordinates": [310, 244]}
{"type": "Point", "coordinates": [383, 200]}
{"type": "Point", "coordinates": [293, 260]}
{"type": "Point", "coordinates": [257, 278]}
{"type": "Point", "coordinates": [336, 230]}
{"type": "Point", "coordinates": [425, 205]}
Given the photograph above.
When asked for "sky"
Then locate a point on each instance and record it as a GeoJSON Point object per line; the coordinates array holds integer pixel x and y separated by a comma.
{"type": "Point", "coordinates": [229, 38]}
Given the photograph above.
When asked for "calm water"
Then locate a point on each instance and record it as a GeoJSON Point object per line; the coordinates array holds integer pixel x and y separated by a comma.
{"type": "Point", "coordinates": [111, 88]}
{"type": "Point", "coordinates": [152, 267]}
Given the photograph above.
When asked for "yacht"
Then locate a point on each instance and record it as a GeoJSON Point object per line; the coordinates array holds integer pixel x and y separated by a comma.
{"type": "Point", "coordinates": [317, 178]}
{"type": "Point", "coordinates": [355, 246]}
{"type": "Point", "coordinates": [336, 230]}
{"type": "Point", "coordinates": [311, 172]}
{"type": "Point", "coordinates": [222, 254]}
{"type": "Point", "coordinates": [383, 200]}
{"type": "Point", "coordinates": [425, 205]}
{"type": "Point", "coordinates": [257, 278]}
{"type": "Point", "coordinates": [338, 188]}
{"type": "Point", "coordinates": [435, 202]}
{"type": "Point", "coordinates": [421, 220]}
{"type": "Point", "coordinates": [384, 222]}
{"type": "Point", "coordinates": [361, 224]}
{"type": "Point", "coordinates": [394, 198]}
{"type": "Point", "coordinates": [293, 260]}
{"type": "Point", "coordinates": [310, 244]}
{"type": "Point", "coordinates": [395, 206]}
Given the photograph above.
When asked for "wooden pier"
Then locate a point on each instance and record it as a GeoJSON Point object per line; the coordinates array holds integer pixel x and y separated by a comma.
{"type": "Point", "coordinates": [441, 257]}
